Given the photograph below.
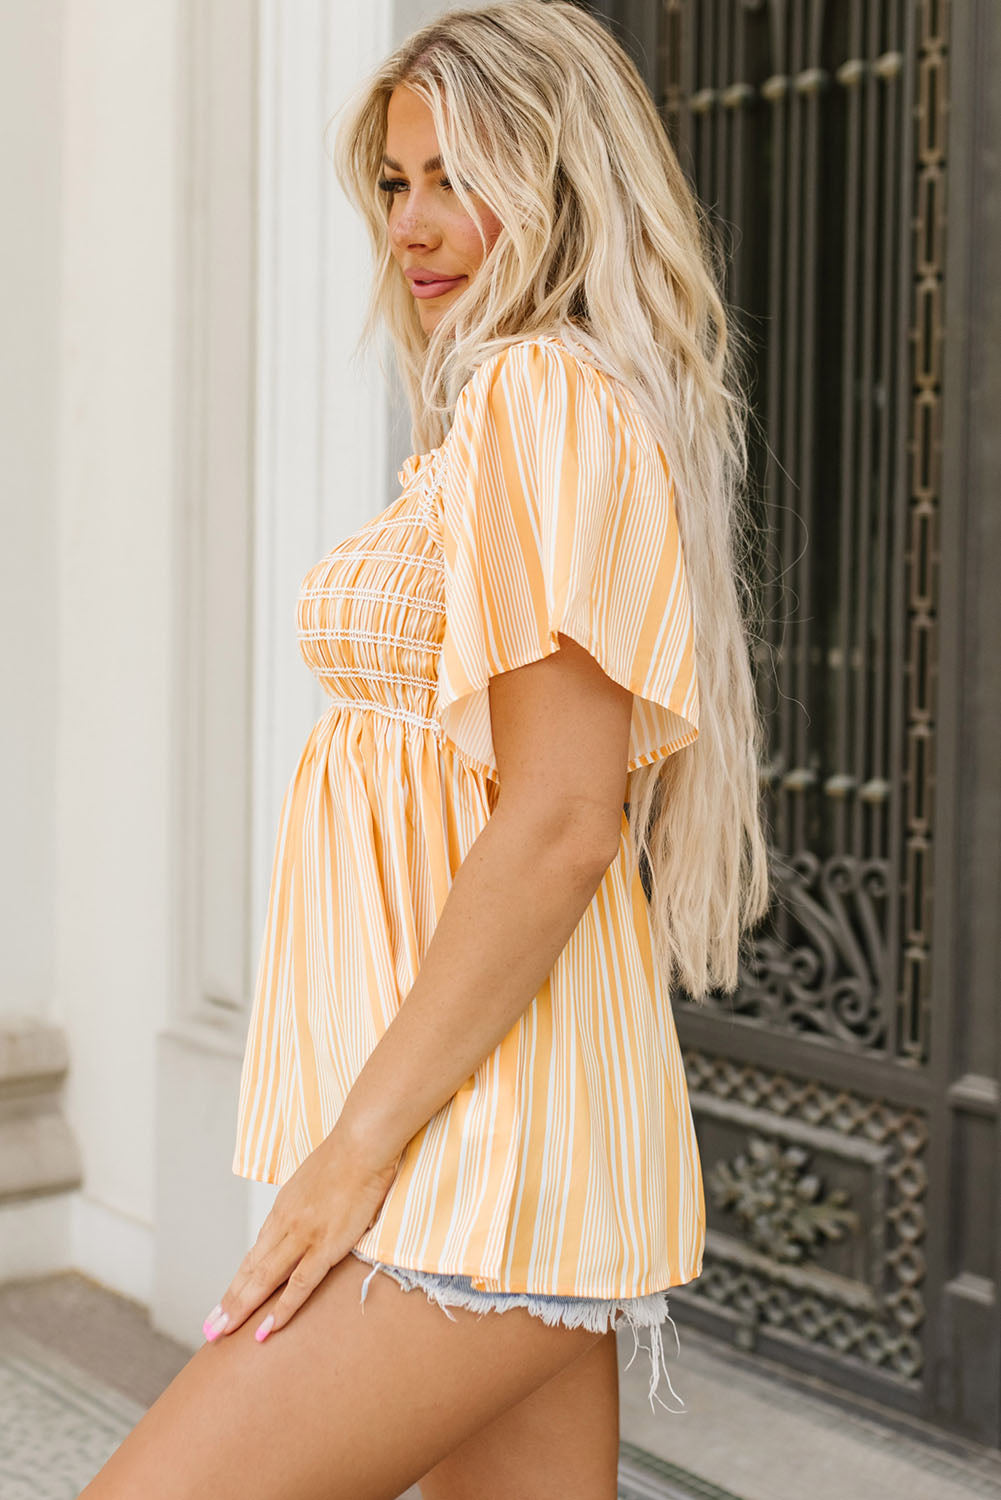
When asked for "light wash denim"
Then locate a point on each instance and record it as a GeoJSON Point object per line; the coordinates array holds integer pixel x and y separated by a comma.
{"type": "Point", "coordinates": [595, 1313]}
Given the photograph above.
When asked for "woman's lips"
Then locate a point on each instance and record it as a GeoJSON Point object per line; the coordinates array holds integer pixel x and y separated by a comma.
{"type": "Point", "coordinates": [435, 288]}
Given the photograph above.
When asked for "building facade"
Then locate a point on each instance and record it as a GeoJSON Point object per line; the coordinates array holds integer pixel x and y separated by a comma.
{"type": "Point", "coordinates": [187, 426]}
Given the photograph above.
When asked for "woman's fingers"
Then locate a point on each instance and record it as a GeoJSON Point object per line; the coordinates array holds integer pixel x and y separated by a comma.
{"type": "Point", "coordinates": [259, 1273]}
{"type": "Point", "coordinates": [301, 1284]}
{"type": "Point", "coordinates": [317, 1216]}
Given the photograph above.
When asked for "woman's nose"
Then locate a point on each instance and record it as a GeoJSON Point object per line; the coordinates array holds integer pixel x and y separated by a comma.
{"type": "Point", "coordinates": [413, 226]}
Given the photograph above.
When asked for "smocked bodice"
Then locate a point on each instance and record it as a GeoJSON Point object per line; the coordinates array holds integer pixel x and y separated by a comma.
{"type": "Point", "coordinates": [371, 613]}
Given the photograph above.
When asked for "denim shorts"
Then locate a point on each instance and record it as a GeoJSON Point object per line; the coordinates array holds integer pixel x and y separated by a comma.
{"type": "Point", "coordinates": [571, 1312]}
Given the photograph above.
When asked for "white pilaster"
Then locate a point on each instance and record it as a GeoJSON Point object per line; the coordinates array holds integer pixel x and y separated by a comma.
{"type": "Point", "coordinates": [283, 451]}
{"type": "Point", "coordinates": [321, 414]}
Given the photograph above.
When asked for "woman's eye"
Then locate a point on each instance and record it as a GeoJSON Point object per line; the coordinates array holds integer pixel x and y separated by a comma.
{"type": "Point", "coordinates": [392, 185]}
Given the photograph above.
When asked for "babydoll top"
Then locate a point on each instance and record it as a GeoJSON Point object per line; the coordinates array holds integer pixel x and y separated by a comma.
{"type": "Point", "coordinates": [567, 1163]}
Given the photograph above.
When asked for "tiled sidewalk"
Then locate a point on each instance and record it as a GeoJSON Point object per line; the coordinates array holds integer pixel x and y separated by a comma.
{"type": "Point", "coordinates": [764, 1436]}
{"type": "Point", "coordinates": [57, 1424]}
{"type": "Point", "coordinates": [78, 1365]}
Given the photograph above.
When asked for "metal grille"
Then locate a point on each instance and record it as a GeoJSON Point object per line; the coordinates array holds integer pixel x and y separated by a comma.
{"type": "Point", "coordinates": [787, 1264]}
{"type": "Point", "coordinates": [813, 134]}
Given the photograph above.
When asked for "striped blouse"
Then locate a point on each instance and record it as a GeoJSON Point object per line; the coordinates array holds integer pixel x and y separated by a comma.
{"type": "Point", "coordinates": [567, 1163]}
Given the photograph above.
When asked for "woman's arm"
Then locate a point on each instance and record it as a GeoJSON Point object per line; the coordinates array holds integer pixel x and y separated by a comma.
{"type": "Point", "coordinates": [560, 728]}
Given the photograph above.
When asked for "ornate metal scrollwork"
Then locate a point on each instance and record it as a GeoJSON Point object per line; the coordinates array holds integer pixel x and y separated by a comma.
{"type": "Point", "coordinates": [827, 975]}
{"type": "Point", "coordinates": [780, 1205]}
{"type": "Point", "coordinates": [868, 1311]}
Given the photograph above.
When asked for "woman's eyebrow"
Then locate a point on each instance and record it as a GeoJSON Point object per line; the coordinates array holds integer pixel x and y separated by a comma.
{"type": "Point", "coordinates": [433, 164]}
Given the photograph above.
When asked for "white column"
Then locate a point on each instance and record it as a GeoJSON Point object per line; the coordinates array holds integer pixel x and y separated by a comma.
{"type": "Point", "coordinates": [283, 451]}
{"type": "Point", "coordinates": [31, 107]}
{"type": "Point", "coordinates": [322, 406]}
{"type": "Point", "coordinates": [199, 1208]}
{"type": "Point", "coordinates": [108, 588]}
{"type": "Point", "coordinates": [322, 466]}
{"type": "Point", "coordinates": [38, 1157]}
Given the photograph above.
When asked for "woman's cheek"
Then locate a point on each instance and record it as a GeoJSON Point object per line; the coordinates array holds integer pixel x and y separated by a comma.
{"type": "Point", "coordinates": [471, 235]}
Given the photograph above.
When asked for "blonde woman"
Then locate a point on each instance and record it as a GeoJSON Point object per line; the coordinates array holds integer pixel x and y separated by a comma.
{"type": "Point", "coordinates": [462, 1068]}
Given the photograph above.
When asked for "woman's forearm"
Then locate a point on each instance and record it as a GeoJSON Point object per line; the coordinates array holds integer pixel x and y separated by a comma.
{"type": "Point", "coordinates": [514, 902]}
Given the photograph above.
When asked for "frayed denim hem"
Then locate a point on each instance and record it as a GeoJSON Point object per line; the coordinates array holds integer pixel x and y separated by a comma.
{"type": "Point", "coordinates": [595, 1313]}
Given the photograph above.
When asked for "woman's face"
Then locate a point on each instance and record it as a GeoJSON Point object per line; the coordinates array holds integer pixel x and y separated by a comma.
{"type": "Point", "coordinates": [433, 239]}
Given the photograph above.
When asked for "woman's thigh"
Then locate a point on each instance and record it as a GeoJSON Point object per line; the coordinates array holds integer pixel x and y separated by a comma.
{"type": "Point", "coordinates": [561, 1440]}
{"type": "Point", "coordinates": [344, 1403]}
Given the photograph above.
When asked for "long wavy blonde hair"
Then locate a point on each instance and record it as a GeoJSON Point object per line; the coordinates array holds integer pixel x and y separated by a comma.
{"type": "Point", "coordinates": [602, 243]}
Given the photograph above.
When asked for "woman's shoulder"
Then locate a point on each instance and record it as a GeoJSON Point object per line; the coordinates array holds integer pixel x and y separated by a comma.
{"type": "Point", "coordinates": [519, 355]}
{"type": "Point", "coordinates": [554, 378]}
{"type": "Point", "coordinates": [530, 403]}
{"type": "Point", "coordinates": [544, 368]}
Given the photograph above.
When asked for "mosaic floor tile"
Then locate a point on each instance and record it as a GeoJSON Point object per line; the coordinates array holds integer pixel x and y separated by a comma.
{"type": "Point", "coordinates": [57, 1424]}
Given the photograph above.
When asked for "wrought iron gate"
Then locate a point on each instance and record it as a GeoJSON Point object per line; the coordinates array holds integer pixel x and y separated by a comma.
{"type": "Point", "coordinates": [843, 1131]}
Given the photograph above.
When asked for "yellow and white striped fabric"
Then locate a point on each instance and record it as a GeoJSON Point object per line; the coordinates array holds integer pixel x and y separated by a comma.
{"type": "Point", "coordinates": [567, 1163]}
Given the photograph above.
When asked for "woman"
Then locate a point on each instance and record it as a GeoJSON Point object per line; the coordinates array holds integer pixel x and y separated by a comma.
{"type": "Point", "coordinates": [462, 1066]}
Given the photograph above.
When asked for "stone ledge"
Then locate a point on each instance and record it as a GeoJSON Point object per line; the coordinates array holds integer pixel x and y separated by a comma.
{"type": "Point", "coordinates": [38, 1151]}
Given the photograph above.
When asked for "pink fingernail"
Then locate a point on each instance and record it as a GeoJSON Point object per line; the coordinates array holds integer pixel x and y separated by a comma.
{"type": "Point", "coordinates": [265, 1328]}
{"type": "Point", "coordinates": [215, 1323]}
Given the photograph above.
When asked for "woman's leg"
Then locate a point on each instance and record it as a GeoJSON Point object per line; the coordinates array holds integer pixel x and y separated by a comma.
{"type": "Point", "coordinates": [345, 1403]}
{"type": "Point", "coordinates": [561, 1440]}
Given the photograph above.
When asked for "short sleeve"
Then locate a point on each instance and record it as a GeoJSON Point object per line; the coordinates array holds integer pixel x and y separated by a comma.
{"type": "Point", "coordinates": [558, 515]}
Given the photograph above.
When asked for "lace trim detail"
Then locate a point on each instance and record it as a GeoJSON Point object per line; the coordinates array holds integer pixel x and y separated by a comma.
{"type": "Point", "coordinates": [359, 705]}
{"type": "Point", "coordinates": [374, 638]}
{"type": "Point", "coordinates": [423, 466]}
{"type": "Point", "coordinates": [375, 674]}
{"type": "Point", "coordinates": [379, 596]}
{"type": "Point", "coordinates": [418, 559]}
{"type": "Point", "coordinates": [406, 519]}
{"type": "Point", "coordinates": [423, 472]}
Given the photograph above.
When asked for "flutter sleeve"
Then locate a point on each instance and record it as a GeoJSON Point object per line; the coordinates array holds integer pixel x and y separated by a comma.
{"type": "Point", "coordinates": [558, 515]}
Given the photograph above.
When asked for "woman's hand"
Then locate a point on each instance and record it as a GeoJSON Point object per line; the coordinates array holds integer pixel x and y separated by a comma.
{"type": "Point", "coordinates": [317, 1216]}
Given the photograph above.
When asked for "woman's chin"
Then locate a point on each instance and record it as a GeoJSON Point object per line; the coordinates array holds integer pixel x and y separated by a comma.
{"type": "Point", "coordinates": [430, 319]}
